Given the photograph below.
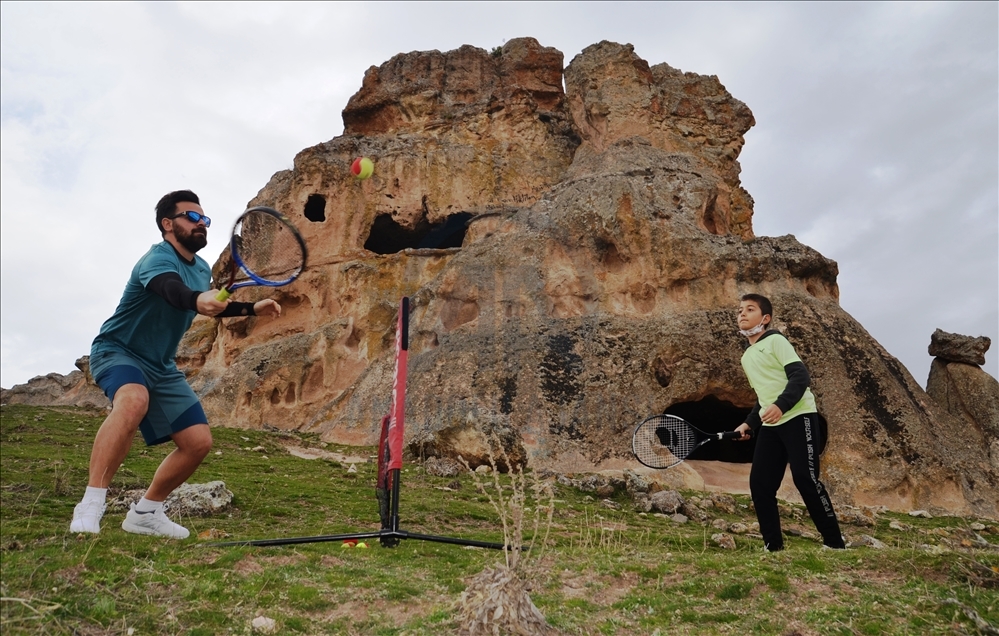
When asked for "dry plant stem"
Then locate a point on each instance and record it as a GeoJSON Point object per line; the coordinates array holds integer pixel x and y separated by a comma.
{"type": "Point", "coordinates": [511, 509]}
{"type": "Point", "coordinates": [501, 507]}
{"type": "Point", "coordinates": [45, 609]}
{"type": "Point", "coordinates": [89, 548]}
{"type": "Point", "coordinates": [983, 625]}
{"type": "Point", "coordinates": [31, 511]}
{"type": "Point", "coordinates": [541, 489]}
{"type": "Point", "coordinates": [492, 502]}
{"type": "Point", "coordinates": [504, 509]}
{"type": "Point", "coordinates": [516, 505]}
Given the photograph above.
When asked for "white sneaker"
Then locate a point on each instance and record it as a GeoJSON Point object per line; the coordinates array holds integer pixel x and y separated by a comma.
{"type": "Point", "coordinates": [87, 517]}
{"type": "Point", "coordinates": [154, 523]}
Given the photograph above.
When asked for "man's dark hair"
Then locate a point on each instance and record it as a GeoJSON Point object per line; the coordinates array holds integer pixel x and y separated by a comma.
{"type": "Point", "coordinates": [167, 206]}
{"type": "Point", "coordinates": [766, 308]}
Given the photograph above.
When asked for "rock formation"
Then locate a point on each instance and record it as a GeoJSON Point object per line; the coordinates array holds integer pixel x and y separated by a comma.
{"type": "Point", "coordinates": [54, 389]}
{"type": "Point", "coordinates": [574, 260]}
{"type": "Point", "coordinates": [952, 347]}
{"type": "Point", "coordinates": [599, 240]}
{"type": "Point", "coordinates": [958, 384]}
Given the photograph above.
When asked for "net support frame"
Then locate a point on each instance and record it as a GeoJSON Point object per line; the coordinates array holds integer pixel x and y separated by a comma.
{"type": "Point", "coordinates": [390, 440]}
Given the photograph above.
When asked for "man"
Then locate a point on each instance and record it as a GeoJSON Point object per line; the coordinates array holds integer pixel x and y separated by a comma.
{"type": "Point", "coordinates": [132, 360]}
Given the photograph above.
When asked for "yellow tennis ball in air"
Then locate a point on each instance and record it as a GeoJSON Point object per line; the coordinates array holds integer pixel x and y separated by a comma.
{"type": "Point", "coordinates": [362, 167]}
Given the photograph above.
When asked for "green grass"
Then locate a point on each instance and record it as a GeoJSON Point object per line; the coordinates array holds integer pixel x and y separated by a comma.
{"type": "Point", "coordinates": [604, 572]}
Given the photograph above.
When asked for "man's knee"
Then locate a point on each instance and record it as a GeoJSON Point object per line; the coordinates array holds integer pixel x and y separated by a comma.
{"type": "Point", "coordinates": [131, 401]}
{"type": "Point", "coordinates": [196, 440]}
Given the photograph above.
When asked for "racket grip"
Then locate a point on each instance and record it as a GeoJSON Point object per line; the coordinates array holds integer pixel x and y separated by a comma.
{"type": "Point", "coordinates": [223, 295]}
{"type": "Point", "coordinates": [733, 434]}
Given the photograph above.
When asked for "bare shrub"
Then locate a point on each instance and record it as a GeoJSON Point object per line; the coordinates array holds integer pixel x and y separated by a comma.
{"type": "Point", "coordinates": [496, 601]}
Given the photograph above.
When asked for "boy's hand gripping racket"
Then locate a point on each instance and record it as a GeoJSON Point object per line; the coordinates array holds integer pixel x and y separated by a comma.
{"type": "Point", "coordinates": [663, 441]}
{"type": "Point", "coordinates": [265, 249]}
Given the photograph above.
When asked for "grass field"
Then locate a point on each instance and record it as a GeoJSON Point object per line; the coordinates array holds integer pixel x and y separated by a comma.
{"type": "Point", "coordinates": [604, 571]}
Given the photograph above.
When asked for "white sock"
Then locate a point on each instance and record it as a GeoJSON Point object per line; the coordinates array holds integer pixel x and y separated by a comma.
{"type": "Point", "coordinates": [146, 505]}
{"type": "Point", "coordinates": [95, 494]}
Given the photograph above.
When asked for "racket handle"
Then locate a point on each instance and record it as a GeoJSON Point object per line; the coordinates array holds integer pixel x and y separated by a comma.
{"type": "Point", "coordinates": [732, 434]}
{"type": "Point", "coordinates": [223, 295]}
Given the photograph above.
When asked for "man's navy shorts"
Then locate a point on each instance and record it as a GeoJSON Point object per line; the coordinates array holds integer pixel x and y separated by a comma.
{"type": "Point", "coordinates": [173, 405]}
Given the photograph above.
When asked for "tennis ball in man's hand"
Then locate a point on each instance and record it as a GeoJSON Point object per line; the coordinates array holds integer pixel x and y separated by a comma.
{"type": "Point", "coordinates": [362, 167]}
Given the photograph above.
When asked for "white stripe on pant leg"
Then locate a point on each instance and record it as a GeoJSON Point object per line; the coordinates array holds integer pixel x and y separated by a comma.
{"type": "Point", "coordinates": [819, 488]}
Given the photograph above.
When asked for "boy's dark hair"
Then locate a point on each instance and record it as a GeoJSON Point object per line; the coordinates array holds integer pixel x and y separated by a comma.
{"type": "Point", "coordinates": [168, 205]}
{"type": "Point", "coordinates": [766, 308]}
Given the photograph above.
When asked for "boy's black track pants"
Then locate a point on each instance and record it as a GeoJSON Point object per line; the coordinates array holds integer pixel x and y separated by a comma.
{"type": "Point", "coordinates": [796, 442]}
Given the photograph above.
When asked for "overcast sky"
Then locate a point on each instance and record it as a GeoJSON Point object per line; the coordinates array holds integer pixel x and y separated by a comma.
{"type": "Point", "coordinates": [876, 143]}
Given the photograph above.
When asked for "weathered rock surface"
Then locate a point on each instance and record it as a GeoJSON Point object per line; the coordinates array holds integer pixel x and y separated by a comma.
{"type": "Point", "coordinates": [76, 388]}
{"type": "Point", "coordinates": [967, 392]}
{"type": "Point", "coordinates": [574, 261]}
{"type": "Point", "coordinates": [467, 442]}
{"type": "Point", "coordinates": [443, 467]}
{"type": "Point", "coordinates": [614, 95]}
{"type": "Point", "coordinates": [953, 347]}
{"type": "Point", "coordinates": [960, 386]}
{"type": "Point", "coordinates": [667, 502]}
{"type": "Point", "coordinates": [187, 500]}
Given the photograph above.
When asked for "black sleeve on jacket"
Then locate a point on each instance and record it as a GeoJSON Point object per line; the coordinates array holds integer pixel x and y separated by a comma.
{"type": "Point", "coordinates": [172, 289]}
{"type": "Point", "coordinates": [797, 381]}
{"type": "Point", "coordinates": [753, 419]}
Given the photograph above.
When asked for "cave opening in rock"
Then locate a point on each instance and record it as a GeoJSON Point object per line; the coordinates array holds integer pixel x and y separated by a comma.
{"type": "Point", "coordinates": [315, 208]}
{"type": "Point", "coordinates": [712, 415]}
{"type": "Point", "coordinates": [388, 237]}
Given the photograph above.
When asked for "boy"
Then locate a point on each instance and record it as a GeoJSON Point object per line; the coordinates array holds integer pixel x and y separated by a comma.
{"type": "Point", "coordinates": [785, 424]}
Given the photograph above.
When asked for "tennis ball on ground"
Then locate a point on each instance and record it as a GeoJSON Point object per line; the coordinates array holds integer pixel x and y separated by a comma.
{"type": "Point", "coordinates": [349, 543]}
{"type": "Point", "coordinates": [362, 544]}
{"type": "Point", "coordinates": [362, 167]}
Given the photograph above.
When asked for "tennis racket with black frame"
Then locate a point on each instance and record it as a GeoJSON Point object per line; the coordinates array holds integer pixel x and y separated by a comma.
{"type": "Point", "coordinates": [663, 441]}
{"type": "Point", "coordinates": [265, 250]}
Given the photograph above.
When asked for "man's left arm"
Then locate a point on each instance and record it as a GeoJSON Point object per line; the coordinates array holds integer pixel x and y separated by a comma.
{"type": "Point", "coordinates": [267, 307]}
{"type": "Point", "coordinates": [236, 309]}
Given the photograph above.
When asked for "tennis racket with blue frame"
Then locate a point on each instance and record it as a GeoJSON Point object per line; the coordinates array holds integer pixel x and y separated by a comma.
{"type": "Point", "coordinates": [265, 250]}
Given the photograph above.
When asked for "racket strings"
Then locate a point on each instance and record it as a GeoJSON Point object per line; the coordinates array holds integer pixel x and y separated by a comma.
{"type": "Point", "coordinates": [677, 437]}
{"type": "Point", "coordinates": [664, 441]}
{"type": "Point", "coordinates": [267, 248]}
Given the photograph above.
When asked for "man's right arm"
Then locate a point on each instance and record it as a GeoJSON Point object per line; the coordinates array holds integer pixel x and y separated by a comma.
{"type": "Point", "coordinates": [172, 289]}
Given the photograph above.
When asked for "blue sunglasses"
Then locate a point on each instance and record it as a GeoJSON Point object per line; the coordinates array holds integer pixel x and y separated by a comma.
{"type": "Point", "coordinates": [194, 217]}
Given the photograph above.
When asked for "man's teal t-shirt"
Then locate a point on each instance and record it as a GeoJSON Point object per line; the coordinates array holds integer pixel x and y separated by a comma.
{"type": "Point", "coordinates": [145, 326]}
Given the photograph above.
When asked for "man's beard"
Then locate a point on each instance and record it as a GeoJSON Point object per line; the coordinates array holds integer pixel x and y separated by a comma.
{"type": "Point", "coordinates": [194, 240]}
